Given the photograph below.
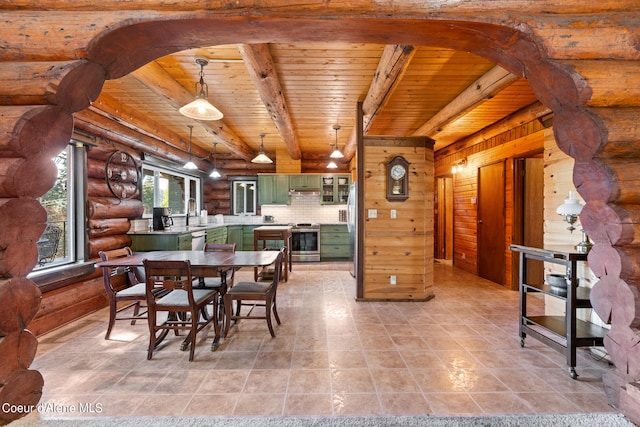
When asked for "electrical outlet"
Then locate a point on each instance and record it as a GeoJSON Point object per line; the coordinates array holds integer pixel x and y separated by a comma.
{"type": "Point", "coordinates": [372, 213]}
{"type": "Point", "coordinates": [392, 280]}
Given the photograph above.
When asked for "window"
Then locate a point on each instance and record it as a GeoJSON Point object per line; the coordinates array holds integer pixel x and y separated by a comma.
{"type": "Point", "coordinates": [244, 197]}
{"type": "Point", "coordinates": [168, 189]}
{"type": "Point", "coordinates": [63, 239]}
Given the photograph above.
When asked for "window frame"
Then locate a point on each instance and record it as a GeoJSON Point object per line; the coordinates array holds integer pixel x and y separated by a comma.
{"type": "Point", "coordinates": [188, 179]}
{"type": "Point", "coordinates": [249, 180]}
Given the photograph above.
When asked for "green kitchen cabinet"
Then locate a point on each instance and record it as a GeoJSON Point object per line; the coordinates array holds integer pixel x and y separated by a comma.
{"type": "Point", "coordinates": [335, 189]}
{"type": "Point", "coordinates": [334, 242]}
{"type": "Point", "coordinates": [235, 234]}
{"type": "Point", "coordinates": [216, 235]}
{"type": "Point", "coordinates": [304, 182]}
{"type": "Point", "coordinates": [273, 189]}
{"type": "Point", "coordinates": [160, 242]}
{"type": "Point", "coordinates": [247, 236]}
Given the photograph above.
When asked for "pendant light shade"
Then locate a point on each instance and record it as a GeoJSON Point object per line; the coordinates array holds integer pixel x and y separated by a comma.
{"type": "Point", "coordinates": [261, 157]}
{"type": "Point", "coordinates": [201, 109]}
{"type": "Point", "coordinates": [332, 165]}
{"type": "Point", "coordinates": [214, 173]}
{"type": "Point", "coordinates": [190, 165]}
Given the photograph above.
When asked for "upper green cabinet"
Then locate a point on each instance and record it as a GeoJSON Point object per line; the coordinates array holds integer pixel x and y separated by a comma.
{"type": "Point", "coordinates": [335, 189]}
{"type": "Point", "coordinates": [304, 182]}
{"type": "Point", "coordinates": [273, 189]}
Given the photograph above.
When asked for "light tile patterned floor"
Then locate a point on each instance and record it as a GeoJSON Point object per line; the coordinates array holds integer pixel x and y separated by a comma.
{"type": "Point", "coordinates": [458, 354]}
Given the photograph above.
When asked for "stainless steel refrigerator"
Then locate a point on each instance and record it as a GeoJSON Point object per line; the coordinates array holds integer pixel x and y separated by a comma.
{"type": "Point", "coordinates": [352, 218]}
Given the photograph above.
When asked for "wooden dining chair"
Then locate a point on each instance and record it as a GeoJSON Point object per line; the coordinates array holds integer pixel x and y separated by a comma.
{"type": "Point", "coordinates": [216, 282]}
{"type": "Point", "coordinates": [255, 292]}
{"type": "Point", "coordinates": [122, 284]}
{"type": "Point", "coordinates": [183, 303]}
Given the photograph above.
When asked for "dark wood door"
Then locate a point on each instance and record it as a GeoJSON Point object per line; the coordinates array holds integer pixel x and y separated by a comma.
{"type": "Point", "coordinates": [444, 241]}
{"type": "Point", "coordinates": [533, 216]}
{"type": "Point", "coordinates": [491, 222]}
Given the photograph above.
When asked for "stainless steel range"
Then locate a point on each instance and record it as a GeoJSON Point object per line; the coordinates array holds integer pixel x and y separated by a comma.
{"type": "Point", "coordinates": [305, 242]}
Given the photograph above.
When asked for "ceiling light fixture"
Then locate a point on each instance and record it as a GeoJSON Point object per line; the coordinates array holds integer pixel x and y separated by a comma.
{"type": "Point", "coordinates": [261, 157]}
{"type": "Point", "coordinates": [201, 109]}
{"type": "Point", "coordinates": [336, 153]}
{"type": "Point", "coordinates": [190, 165]}
{"type": "Point", "coordinates": [214, 173]}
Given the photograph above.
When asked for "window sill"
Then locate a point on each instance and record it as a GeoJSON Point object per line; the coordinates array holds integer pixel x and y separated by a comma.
{"type": "Point", "coordinates": [58, 277]}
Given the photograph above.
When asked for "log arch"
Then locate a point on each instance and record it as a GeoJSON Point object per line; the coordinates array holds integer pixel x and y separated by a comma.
{"type": "Point", "coordinates": [579, 132]}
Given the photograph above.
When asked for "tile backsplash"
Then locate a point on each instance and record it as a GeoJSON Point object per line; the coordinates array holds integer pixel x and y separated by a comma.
{"type": "Point", "coordinates": [304, 208]}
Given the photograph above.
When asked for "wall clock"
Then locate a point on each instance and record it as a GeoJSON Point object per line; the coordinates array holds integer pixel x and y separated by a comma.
{"type": "Point", "coordinates": [122, 175]}
{"type": "Point", "coordinates": [398, 179]}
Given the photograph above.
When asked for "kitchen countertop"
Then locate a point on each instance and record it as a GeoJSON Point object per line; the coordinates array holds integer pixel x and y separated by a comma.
{"type": "Point", "coordinates": [183, 229]}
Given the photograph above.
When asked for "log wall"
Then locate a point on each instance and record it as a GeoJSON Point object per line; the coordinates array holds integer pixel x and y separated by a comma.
{"type": "Point", "coordinates": [582, 62]}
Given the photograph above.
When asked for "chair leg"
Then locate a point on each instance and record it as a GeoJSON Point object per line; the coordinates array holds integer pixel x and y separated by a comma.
{"type": "Point", "coordinates": [268, 316]}
{"type": "Point", "coordinates": [151, 317]}
{"type": "Point", "coordinates": [227, 319]}
{"type": "Point", "coordinates": [275, 310]}
{"type": "Point", "coordinates": [194, 331]}
{"type": "Point", "coordinates": [136, 311]}
{"type": "Point", "coordinates": [112, 318]}
{"type": "Point", "coordinates": [216, 314]}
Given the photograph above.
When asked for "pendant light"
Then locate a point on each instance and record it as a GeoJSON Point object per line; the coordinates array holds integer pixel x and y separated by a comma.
{"type": "Point", "coordinates": [201, 109]}
{"type": "Point", "coordinates": [190, 165]}
{"type": "Point", "coordinates": [214, 173]}
{"type": "Point", "coordinates": [261, 157]}
{"type": "Point", "coordinates": [336, 153]}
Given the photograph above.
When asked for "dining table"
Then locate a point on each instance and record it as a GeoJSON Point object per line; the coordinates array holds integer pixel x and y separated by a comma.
{"type": "Point", "coordinates": [203, 264]}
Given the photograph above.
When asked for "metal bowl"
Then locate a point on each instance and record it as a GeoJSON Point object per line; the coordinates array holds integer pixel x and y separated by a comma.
{"type": "Point", "coordinates": [557, 280]}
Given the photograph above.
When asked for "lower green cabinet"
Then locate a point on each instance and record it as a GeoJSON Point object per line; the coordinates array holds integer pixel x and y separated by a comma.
{"type": "Point", "coordinates": [160, 242]}
{"type": "Point", "coordinates": [235, 234]}
{"type": "Point", "coordinates": [334, 242]}
{"type": "Point", "coordinates": [216, 235]}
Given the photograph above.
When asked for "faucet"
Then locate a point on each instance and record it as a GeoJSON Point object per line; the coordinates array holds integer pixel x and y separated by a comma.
{"type": "Point", "coordinates": [190, 205]}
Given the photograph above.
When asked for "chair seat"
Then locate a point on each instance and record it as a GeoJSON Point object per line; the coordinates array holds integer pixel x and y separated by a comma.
{"type": "Point", "coordinates": [179, 298]}
{"type": "Point", "coordinates": [250, 288]}
{"type": "Point", "coordinates": [138, 290]}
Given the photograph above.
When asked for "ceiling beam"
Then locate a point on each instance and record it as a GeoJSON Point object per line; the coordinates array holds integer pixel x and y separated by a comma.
{"type": "Point", "coordinates": [113, 109]}
{"type": "Point", "coordinates": [159, 81]}
{"type": "Point", "coordinates": [262, 70]}
{"type": "Point", "coordinates": [394, 61]}
{"type": "Point", "coordinates": [488, 85]}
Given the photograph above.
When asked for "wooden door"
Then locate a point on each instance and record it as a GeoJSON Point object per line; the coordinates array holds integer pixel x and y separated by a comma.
{"type": "Point", "coordinates": [533, 215]}
{"type": "Point", "coordinates": [444, 242]}
{"type": "Point", "coordinates": [491, 223]}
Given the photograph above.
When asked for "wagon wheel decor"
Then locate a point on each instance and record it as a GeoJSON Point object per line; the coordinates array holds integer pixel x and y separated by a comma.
{"type": "Point", "coordinates": [122, 175]}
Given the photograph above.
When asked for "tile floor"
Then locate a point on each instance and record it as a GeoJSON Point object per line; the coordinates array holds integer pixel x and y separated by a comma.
{"type": "Point", "coordinates": [458, 354]}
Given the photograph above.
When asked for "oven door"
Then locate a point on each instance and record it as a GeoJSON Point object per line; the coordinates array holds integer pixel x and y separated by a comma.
{"type": "Point", "coordinates": [305, 245]}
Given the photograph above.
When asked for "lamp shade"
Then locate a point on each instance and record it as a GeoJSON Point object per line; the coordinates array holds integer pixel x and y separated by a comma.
{"type": "Point", "coordinates": [571, 206]}
{"type": "Point", "coordinates": [332, 165]}
{"type": "Point", "coordinates": [201, 109]}
{"type": "Point", "coordinates": [336, 154]}
{"type": "Point", "coordinates": [261, 157]}
{"type": "Point", "coordinates": [190, 165]}
{"type": "Point", "coordinates": [215, 174]}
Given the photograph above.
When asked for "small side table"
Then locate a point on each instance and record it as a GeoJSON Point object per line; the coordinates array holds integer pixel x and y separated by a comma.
{"type": "Point", "coordinates": [273, 232]}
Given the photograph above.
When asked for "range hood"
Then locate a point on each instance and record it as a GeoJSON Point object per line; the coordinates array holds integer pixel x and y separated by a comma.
{"type": "Point", "coordinates": [313, 192]}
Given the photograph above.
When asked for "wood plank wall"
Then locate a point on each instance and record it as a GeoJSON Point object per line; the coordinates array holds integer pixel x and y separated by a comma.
{"type": "Point", "coordinates": [525, 140]}
{"type": "Point", "coordinates": [404, 246]}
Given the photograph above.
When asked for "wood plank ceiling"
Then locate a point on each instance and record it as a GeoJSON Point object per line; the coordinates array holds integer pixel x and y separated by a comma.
{"type": "Point", "coordinates": [428, 91]}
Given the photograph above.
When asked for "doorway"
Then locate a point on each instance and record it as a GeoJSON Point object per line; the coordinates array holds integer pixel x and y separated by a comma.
{"type": "Point", "coordinates": [444, 219]}
{"type": "Point", "coordinates": [528, 215]}
{"type": "Point", "coordinates": [491, 222]}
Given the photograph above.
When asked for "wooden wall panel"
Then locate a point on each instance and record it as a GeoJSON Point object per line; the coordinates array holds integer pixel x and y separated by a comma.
{"type": "Point", "coordinates": [404, 246]}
